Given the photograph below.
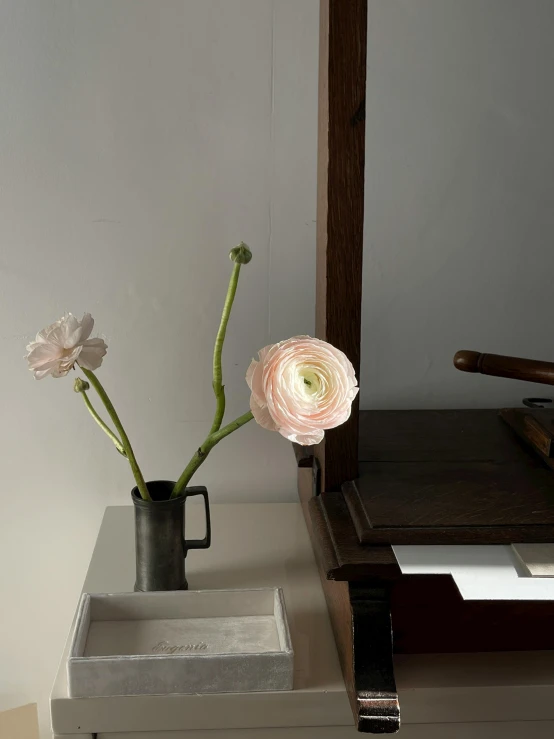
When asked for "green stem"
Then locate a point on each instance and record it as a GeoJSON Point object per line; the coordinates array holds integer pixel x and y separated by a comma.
{"type": "Point", "coordinates": [106, 429]}
{"type": "Point", "coordinates": [200, 455]}
{"type": "Point", "coordinates": [219, 389]}
{"type": "Point", "coordinates": [97, 385]}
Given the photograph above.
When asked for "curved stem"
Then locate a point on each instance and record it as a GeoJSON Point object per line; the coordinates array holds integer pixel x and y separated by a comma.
{"type": "Point", "coordinates": [97, 385]}
{"type": "Point", "coordinates": [200, 455]}
{"type": "Point", "coordinates": [219, 388]}
{"type": "Point", "coordinates": [106, 429]}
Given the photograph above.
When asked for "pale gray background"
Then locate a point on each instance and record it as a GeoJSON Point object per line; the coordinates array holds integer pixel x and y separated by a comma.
{"type": "Point", "coordinates": [139, 141]}
{"type": "Point", "coordinates": [459, 219]}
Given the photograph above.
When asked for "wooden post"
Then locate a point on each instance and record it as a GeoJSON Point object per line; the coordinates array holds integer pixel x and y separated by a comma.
{"type": "Point", "coordinates": [340, 208]}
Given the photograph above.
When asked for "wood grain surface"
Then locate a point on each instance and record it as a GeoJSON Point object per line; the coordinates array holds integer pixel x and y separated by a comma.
{"type": "Point", "coordinates": [427, 612]}
{"type": "Point", "coordinates": [452, 477]}
{"type": "Point", "coordinates": [340, 207]}
{"type": "Point", "coordinates": [498, 365]}
{"type": "Point", "coordinates": [361, 622]}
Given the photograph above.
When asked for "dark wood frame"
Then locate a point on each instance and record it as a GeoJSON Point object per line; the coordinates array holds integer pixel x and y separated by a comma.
{"type": "Point", "coordinates": [340, 224]}
{"type": "Point", "coordinates": [340, 208]}
{"type": "Point", "coordinates": [366, 593]}
{"type": "Point", "coordinates": [340, 220]}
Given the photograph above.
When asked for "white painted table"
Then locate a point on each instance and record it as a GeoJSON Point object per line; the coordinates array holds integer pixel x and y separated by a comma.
{"type": "Point", "coordinates": [255, 545]}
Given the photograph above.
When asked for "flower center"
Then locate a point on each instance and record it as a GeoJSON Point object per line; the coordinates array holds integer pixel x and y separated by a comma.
{"type": "Point", "coordinates": [310, 381]}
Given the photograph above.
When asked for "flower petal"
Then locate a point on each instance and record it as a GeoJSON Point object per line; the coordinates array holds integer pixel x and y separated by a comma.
{"type": "Point", "coordinates": [71, 330]}
{"type": "Point", "coordinates": [250, 372]}
{"type": "Point", "coordinates": [60, 370]}
{"type": "Point", "coordinates": [262, 415]}
{"type": "Point", "coordinates": [40, 354]}
{"type": "Point", "coordinates": [40, 374]}
{"type": "Point", "coordinates": [313, 437]}
{"type": "Point", "coordinates": [87, 324]}
{"type": "Point", "coordinates": [92, 353]}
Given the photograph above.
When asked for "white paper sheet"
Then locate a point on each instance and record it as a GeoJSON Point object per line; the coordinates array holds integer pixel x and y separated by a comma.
{"type": "Point", "coordinates": [480, 572]}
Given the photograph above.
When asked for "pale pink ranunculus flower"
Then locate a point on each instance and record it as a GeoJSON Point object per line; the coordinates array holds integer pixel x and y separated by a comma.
{"type": "Point", "coordinates": [63, 344]}
{"type": "Point", "coordinates": [301, 387]}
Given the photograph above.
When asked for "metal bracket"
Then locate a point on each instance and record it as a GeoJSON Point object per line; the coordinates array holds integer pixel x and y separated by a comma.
{"type": "Point", "coordinates": [535, 402]}
{"type": "Point", "coordinates": [378, 710]}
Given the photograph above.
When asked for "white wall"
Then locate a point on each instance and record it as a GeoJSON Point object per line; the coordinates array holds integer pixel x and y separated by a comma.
{"type": "Point", "coordinates": [459, 198]}
{"type": "Point", "coordinates": [139, 142]}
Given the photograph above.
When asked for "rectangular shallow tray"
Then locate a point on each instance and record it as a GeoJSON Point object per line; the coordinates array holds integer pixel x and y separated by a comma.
{"type": "Point", "coordinates": [218, 641]}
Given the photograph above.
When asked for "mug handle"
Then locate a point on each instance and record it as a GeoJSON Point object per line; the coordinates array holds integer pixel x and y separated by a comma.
{"type": "Point", "coordinates": [207, 540]}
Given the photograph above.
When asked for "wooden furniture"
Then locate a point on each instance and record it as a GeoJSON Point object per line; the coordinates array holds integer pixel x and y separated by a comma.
{"type": "Point", "coordinates": [460, 696]}
{"type": "Point", "coordinates": [449, 477]}
{"type": "Point", "coordinates": [374, 607]}
{"type": "Point", "coordinates": [340, 206]}
{"type": "Point", "coordinates": [407, 477]}
{"type": "Point", "coordinates": [515, 368]}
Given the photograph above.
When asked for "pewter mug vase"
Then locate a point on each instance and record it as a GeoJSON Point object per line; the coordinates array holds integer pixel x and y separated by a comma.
{"type": "Point", "coordinates": [160, 544]}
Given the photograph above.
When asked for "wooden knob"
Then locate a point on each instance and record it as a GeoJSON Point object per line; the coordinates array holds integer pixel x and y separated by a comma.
{"type": "Point", "coordinates": [467, 361]}
{"type": "Point", "coordinates": [514, 368]}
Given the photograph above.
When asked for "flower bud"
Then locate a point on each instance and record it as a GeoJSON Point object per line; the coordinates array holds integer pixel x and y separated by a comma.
{"type": "Point", "coordinates": [241, 254]}
{"type": "Point", "coordinates": [80, 386]}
